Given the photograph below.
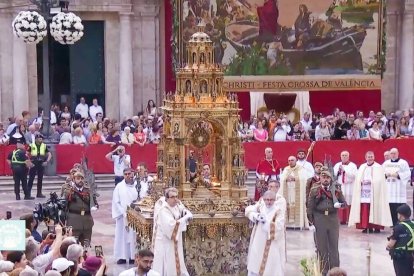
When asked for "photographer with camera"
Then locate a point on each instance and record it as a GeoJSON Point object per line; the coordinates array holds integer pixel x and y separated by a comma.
{"type": "Point", "coordinates": [401, 244]}
{"type": "Point", "coordinates": [323, 204]}
{"type": "Point", "coordinates": [80, 203]}
{"type": "Point", "coordinates": [121, 162]}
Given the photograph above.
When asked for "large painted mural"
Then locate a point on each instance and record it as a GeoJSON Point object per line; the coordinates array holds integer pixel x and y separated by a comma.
{"type": "Point", "coordinates": [288, 44]}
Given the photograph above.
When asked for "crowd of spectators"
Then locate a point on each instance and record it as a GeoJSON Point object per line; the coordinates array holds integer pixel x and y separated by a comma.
{"type": "Point", "coordinates": [336, 126]}
{"type": "Point", "coordinates": [86, 126]}
{"type": "Point", "coordinates": [51, 253]}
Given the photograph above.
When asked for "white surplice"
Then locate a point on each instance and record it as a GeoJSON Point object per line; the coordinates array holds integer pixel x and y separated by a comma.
{"type": "Point", "coordinates": [125, 241]}
{"type": "Point", "coordinates": [397, 186]}
{"type": "Point", "coordinates": [307, 167]}
{"type": "Point", "coordinates": [169, 228]}
{"type": "Point", "coordinates": [346, 177]}
{"type": "Point", "coordinates": [261, 233]}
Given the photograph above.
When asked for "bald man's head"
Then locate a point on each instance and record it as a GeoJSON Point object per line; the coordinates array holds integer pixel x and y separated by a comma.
{"type": "Point", "coordinates": [394, 154]}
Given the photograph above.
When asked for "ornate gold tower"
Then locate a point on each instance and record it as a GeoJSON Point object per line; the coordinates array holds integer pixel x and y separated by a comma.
{"type": "Point", "coordinates": [202, 121]}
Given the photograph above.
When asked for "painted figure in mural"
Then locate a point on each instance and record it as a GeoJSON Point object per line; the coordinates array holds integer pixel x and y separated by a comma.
{"type": "Point", "coordinates": [302, 25]}
{"type": "Point", "coordinates": [268, 18]}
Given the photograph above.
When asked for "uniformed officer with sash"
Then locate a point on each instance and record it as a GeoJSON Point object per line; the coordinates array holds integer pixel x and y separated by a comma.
{"type": "Point", "coordinates": [401, 242]}
{"type": "Point", "coordinates": [40, 156]}
{"type": "Point", "coordinates": [80, 203]}
{"type": "Point", "coordinates": [19, 163]}
{"type": "Point", "coordinates": [322, 209]}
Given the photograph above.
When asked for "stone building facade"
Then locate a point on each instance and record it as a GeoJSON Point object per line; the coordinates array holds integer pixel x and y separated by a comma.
{"type": "Point", "coordinates": [134, 55]}
{"type": "Point", "coordinates": [398, 82]}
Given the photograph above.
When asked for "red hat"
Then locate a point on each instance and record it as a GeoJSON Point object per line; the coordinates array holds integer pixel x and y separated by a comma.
{"type": "Point", "coordinates": [92, 264]}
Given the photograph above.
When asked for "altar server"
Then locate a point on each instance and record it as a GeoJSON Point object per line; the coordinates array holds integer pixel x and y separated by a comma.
{"type": "Point", "coordinates": [345, 173]}
{"type": "Point", "coordinates": [125, 238]}
{"type": "Point", "coordinates": [398, 175]}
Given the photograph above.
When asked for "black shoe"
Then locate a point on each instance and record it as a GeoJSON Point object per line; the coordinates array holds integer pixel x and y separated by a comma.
{"type": "Point", "coordinates": [131, 261]}
{"type": "Point", "coordinates": [17, 197]}
{"type": "Point", "coordinates": [121, 261]}
{"type": "Point", "coordinates": [28, 198]}
{"type": "Point", "coordinates": [377, 231]}
{"type": "Point", "coordinates": [365, 231]}
{"type": "Point", "coordinates": [41, 196]}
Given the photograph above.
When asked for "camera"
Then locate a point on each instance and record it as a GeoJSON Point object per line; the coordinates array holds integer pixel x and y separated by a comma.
{"type": "Point", "coordinates": [52, 209]}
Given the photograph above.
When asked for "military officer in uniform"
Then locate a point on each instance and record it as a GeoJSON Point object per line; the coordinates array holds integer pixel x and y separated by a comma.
{"type": "Point", "coordinates": [19, 163]}
{"type": "Point", "coordinates": [401, 242]}
{"type": "Point", "coordinates": [40, 156]}
{"type": "Point", "coordinates": [80, 203]}
{"type": "Point", "coordinates": [323, 204]}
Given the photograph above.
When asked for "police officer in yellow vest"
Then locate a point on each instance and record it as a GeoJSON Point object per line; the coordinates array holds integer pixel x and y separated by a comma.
{"type": "Point", "coordinates": [40, 156]}
{"type": "Point", "coordinates": [19, 163]}
{"type": "Point", "coordinates": [401, 242]}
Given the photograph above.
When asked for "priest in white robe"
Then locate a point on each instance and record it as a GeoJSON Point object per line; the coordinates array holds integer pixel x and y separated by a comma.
{"type": "Point", "coordinates": [306, 165]}
{"type": "Point", "coordinates": [398, 175]}
{"type": "Point", "coordinates": [370, 209]}
{"type": "Point", "coordinates": [293, 189]}
{"type": "Point", "coordinates": [267, 249]}
{"type": "Point", "coordinates": [172, 220]}
{"type": "Point", "coordinates": [125, 238]}
{"type": "Point", "coordinates": [345, 173]}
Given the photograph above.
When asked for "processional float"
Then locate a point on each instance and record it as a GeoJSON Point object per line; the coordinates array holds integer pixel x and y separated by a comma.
{"type": "Point", "coordinates": [202, 121]}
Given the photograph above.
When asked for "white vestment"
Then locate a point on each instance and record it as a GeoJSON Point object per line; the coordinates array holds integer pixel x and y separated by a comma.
{"type": "Point", "coordinates": [125, 241]}
{"type": "Point", "coordinates": [397, 186]}
{"type": "Point", "coordinates": [346, 177]}
{"type": "Point", "coordinates": [168, 239]}
{"type": "Point", "coordinates": [379, 212]}
{"type": "Point", "coordinates": [145, 186]}
{"type": "Point", "coordinates": [307, 167]}
{"type": "Point", "coordinates": [295, 194]}
{"type": "Point", "coordinates": [274, 230]}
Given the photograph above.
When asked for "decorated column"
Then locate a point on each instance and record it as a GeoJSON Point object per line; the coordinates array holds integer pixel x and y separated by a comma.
{"type": "Point", "coordinates": [406, 78]}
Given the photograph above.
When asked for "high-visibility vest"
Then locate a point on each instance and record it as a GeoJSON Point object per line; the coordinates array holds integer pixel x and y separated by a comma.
{"type": "Point", "coordinates": [33, 149]}
{"type": "Point", "coordinates": [410, 244]}
{"type": "Point", "coordinates": [14, 158]}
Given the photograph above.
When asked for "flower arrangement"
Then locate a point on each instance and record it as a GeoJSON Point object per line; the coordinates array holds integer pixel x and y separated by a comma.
{"type": "Point", "coordinates": [30, 26]}
{"type": "Point", "coordinates": [66, 28]}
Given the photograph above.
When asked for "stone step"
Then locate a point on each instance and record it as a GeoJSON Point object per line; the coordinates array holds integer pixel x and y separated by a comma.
{"type": "Point", "coordinates": [105, 182]}
{"type": "Point", "coordinates": [54, 183]}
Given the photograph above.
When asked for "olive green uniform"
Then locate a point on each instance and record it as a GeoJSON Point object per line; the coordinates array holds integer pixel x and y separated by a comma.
{"type": "Point", "coordinates": [78, 211]}
{"type": "Point", "coordinates": [324, 216]}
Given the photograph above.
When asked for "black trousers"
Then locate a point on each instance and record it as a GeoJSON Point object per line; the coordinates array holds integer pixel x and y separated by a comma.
{"type": "Point", "coordinates": [38, 170]}
{"type": "Point", "coordinates": [393, 210]}
{"type": "Point", "coordinates": [403, 267]}
{"type": "Point", "coordinates": [20, 176]}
